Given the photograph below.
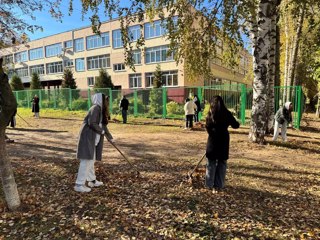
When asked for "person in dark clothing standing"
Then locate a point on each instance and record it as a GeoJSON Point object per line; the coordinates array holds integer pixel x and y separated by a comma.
{"type": "Point", "coordinates": [198, 109]}
{"type": "Point", "coordinates": [124, 105]}
{"type": "Point", "coordinates": [35, 106]}
{"type": "Point", "coordinates": [218, 120]}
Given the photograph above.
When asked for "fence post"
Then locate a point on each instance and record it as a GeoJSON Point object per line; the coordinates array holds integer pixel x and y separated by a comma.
{"type": "Point", "coordinates": [110, 101]}
{"type": "Point", "coordinates": [243, 103]}
{"type": "Point", "coordinates": [200, 100]}
{"type": "Point", "coordinates": [55, 98]}
{"type": "Point", "coordinates": [89, 98]}
{"type": "Point", "coordinates": [299, 93]}
{"type": "Point", "coordinates": [40, 99]}
{"type": "Point", "coordinates": [135, 103]}
{"type": "Point", "coordinates": [70, 99]}
{"type": "Point", "coordinates": [28, 98]}
{"type": "Point", "coordinates": [164, 102]}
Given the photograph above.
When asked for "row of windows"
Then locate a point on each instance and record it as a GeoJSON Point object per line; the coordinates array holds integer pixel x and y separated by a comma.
{"type": "Point", "coordinates": [169, 79]}
{"type": "Point", "coordinates": [51, 68]}
{"type": "Point", "coordinates": [151, 30]}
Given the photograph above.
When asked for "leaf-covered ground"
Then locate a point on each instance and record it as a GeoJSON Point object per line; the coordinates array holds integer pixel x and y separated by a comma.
{"type": "Point", "coordinates": [272, 191]}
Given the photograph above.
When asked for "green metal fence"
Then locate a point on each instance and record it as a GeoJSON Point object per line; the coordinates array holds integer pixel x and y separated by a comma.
{"type": "Point", "coordinates": [163, 102]}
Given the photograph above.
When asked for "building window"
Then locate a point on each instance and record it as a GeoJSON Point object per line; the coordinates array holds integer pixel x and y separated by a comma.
{"type": "Point", "coordinates": [8, 59]}
{"type": "Point", "coordinates": [55, 67]}
{"type": "Point", "coordinates": [68, 44]}
{"type": "Point", "coordinates": [39, 69]}
{"type": "Point", "coordinates": [53, 50]}
{"type": "Point", "coordinates": [10, 73]}
{"type": "Point", "coordinates": [170, 78]}
{"type": "Point", "coordinates": [136, 56]}
{"type": "Point", "coordinates": [68, 63]}
{"type": "Point", "coordinates": [134, 33]}
{"type": "Point", "coordinates": [78, 45]}
{"type": "Point", "coordinates": [36, 53]}
{"type": "Point", "coordinates": [155, 29]}
{"type": "Point", "coordinates": [90, 81]}
{"type": "Point", "coordinates": [119, 67]}
{"type": "Point", "coordinates": [98, 62]}
{"type": "Point", "coordinates": [116, 39]}
{"type": "Point", "coordinates": [149, 79]}
{"type": "Point", "coordinates": [22, 72]}
{"type": "Point", "coordinates": [21, 57]}
{"type": "Point", "coordinates": [97, 41]}
{"type": "Point", "coordinates": [158, 54]}
{"type": "Point", "coordinates": [80, 65]}
{"type": "Point", "coordinates": [135, 80]}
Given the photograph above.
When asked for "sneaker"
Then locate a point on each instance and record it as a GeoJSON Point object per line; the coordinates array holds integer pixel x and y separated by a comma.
{"type": "Point", "coordinates": [95, 183]}
{"type": "Point", "coordinates": [82, 188]}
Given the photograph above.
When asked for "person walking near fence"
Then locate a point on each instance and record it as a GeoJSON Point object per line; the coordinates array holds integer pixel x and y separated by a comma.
{"type": "Point", "coordinates": [124, 105]}
{"type": "Point", "coordinates": [35, 106]}
{"type": "Point", "coordinates": [282, 119]}
{"type": "Point", "coordinates": [198, 109]}
{"type": "Point", "coordinates": [90, 143]}
{"type": "Point", "coordinates": [218, 120]}
{"type": "Point", "coordinates": [189, 109]}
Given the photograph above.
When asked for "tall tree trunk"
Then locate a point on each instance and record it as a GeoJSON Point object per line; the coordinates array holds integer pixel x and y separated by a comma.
{"type": "Point", "coordinates": [286, 64]}
{"type": "Point", "coordinates": [278, 44]}
{"type": "Point", "coordinates": [293, 63]}
{"type": "Point", "coordinates": [8, 107]}
{"type": "Point", "coordinates": [272, 70]}
{"type": "Point", "coordinates": [261, 50]}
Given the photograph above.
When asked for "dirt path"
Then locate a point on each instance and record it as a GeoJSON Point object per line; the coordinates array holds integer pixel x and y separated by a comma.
{"type": "Point", "coordinates": [273, 191]}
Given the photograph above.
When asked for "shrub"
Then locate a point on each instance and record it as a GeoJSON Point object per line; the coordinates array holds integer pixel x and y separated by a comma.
{"type": "Point", "coordinates": [79, 104]}
{"type": "Point", "coordinates": [174, 108]}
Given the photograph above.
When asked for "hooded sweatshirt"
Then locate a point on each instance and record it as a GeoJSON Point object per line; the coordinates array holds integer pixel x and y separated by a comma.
{"type": "Point", "coordinates": [284, 114]}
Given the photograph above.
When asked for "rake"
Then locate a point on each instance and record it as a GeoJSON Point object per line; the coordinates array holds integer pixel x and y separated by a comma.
{"type": "Point", "coordinates": [124, 156]}
{"type": "Point", "coordinates": [189, 177]}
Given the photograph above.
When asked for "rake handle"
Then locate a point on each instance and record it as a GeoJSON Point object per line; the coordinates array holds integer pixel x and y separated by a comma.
{"type": "Point", "coordinates": [195, 168]}
{"type": "Point", "coordinates": [116, 147]}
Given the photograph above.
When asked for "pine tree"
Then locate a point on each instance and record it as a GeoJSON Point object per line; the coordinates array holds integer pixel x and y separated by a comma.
{"type": "Point", "coordinates": [16, 83]}
{"type": "Point", "coordinates": [157, 81]}
{"type": "Point", "coordinates": [103, 80]}
{"type": "Point", "coordinates": [156, 93]}
{"type": "Point", "coordinates": [68, 80]}
{"type": "Point", "coordinates": [35, 81]}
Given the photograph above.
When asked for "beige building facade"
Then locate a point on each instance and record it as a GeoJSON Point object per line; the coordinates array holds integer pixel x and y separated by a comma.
{"type": "Point", "coordinates": [86, 53]}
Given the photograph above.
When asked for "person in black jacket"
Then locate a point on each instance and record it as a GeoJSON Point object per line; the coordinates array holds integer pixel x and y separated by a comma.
{"type": "Point", "coordinates": [196, 100]}
{"type": "Point", "coordinates": [218, 120]}
{"type": "Point", "coordinates": [35, 106]}
{"type": "Point", "coordinates": [124, 104]}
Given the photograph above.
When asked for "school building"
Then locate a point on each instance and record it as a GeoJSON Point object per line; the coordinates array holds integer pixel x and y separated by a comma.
{"type": "Point", "coordinates": [85, 53]}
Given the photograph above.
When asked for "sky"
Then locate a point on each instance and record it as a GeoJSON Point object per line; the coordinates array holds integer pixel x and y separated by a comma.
{"type": "Point", "coordinates": [52, 26]}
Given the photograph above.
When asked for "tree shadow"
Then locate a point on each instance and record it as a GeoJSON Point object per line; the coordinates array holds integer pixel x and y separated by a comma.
{"type": "Point", "coordinates": [38, 130]}
{"type": "Point", "coordinates": [294, 146]}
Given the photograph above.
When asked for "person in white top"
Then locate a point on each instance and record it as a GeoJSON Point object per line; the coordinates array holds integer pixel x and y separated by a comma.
{"type": "Point", "coordinates": [189, 109]}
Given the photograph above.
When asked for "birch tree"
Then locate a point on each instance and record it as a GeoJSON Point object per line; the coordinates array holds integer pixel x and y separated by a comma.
{"type": "Point", "coordinates": [12, 26]}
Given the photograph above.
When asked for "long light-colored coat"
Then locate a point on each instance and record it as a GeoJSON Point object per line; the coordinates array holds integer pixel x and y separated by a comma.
{"type": "Point", "coordinates": [88, 133]}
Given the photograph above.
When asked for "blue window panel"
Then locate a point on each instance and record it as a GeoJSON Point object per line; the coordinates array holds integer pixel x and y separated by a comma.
{"type": "Point", "coordinates": [154, 29]}
{"type": "Point", "coordinates": [134, 33]}
{"type": "Point", "coordinates": [116, 39]}
{"type": "Point", "coordinates": [68, 44]}
{"type": "Point", "coordinates": [36, 53]}
{"type": "Point", "coordinates": [137, 57]}
{"type": "Point", "coordinates": [80, 64]}
{"type": "Point", "coordinates": [21, 56]}
{"type": "Point", "coordinates": [78, 45]}
{"type": "Point", "coordinates": [53, 50]}
{"type": "Point", "coordinates": [97, 41]}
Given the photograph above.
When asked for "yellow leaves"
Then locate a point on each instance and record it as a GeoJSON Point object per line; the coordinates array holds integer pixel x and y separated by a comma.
{"type": "Point", "coordinates": [216, 215]}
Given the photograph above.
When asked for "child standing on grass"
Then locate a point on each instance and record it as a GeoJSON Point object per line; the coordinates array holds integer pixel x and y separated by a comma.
{"type": "Point", "coordinates": [189, 108]}
{"type": "Point", "coordinates": [218, 120]}
{"type": "Point", "coordinates": [282, 119]}
{"type": "Point", "coordinates": [90, 143]}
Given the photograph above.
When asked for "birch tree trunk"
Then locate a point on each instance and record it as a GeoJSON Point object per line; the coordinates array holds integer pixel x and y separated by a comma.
{"type": "Point", "coordinates": [261, 50]}
{"type": "Point", "coordinates": [318, 106]}
{"type": "Point", "coordinates": [286, 64]}
{"type": "Point", "coordinates": [272, 69]}
{"type": "Point", "coordinates": [295, 48]}
{"type": "Point", "coordinates": [8, 107]}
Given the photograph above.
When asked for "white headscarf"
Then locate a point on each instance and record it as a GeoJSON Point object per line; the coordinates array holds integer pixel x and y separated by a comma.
{"type": "Point", "coordinates": [287, 105]}
{"type": "Point", "coordinates": [96, 99]}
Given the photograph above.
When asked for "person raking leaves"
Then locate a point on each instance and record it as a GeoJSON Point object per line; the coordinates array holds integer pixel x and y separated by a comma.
{"type": "Point", "coordinates": [90, 143]}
